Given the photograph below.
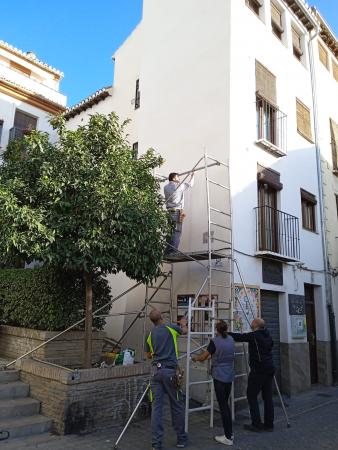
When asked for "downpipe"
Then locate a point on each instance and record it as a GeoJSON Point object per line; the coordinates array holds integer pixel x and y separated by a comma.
{"type": "Point", "coordinates": [327, 276]}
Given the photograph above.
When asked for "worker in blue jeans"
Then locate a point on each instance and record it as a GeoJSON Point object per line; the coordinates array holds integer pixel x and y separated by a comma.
{"type": "Point", "coordinates": [162, 349]}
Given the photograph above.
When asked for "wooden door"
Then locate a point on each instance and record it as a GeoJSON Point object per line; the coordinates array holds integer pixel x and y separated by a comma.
{"type": "Point", "coordinates": [267, 200]}
{"type": "Point", "coordinates": [311, 331]}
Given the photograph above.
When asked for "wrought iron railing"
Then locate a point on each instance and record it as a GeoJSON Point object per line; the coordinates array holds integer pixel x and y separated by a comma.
{"type": "Point", "coordinates": [277, 232]}
{"type": "Point", "coordinates": [271, 124]}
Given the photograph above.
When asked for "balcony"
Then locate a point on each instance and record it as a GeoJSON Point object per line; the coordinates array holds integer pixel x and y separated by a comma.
{"type": "Point", "coordinates": [277, 234]}
{"type": "Point", "coordinates": [271, 128]}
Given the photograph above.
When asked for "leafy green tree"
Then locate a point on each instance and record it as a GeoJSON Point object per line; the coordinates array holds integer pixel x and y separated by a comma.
{"type": "Point", "coordinates": [83, 203]}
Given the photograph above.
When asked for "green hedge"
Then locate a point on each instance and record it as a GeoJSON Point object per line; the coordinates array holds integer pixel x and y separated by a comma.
{"type": "Point", "coordinates": [47, 299]}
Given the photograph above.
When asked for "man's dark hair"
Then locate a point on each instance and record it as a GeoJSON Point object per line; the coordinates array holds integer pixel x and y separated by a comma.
{"type": "Point", "coordinates": [172, 175]}
{"type": "Point", "coordinates": [222, 328]}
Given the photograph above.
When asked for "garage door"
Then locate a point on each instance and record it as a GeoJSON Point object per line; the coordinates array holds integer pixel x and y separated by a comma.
{"type": "Point", "coordinates": [270, 313]}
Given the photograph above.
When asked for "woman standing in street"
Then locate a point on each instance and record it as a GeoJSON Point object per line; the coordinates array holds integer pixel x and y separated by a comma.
{"type": "Point", "coordinates": [222, 352]}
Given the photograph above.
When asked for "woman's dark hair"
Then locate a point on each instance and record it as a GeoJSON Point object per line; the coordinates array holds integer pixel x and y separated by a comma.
{"type": "Point", "coordinates": [222, 328]}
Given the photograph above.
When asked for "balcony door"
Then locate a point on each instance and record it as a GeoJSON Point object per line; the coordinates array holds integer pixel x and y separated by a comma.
{"type": "Point", "coordinates": [267, 202]}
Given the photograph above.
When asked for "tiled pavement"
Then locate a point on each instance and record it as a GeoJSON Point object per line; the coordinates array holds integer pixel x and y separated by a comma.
{"type": "Point", "coordinates": [313, 417]}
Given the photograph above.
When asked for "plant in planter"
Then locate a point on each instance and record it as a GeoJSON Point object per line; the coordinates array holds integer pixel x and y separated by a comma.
{"type": "Point", "coordinates": [84, 203]}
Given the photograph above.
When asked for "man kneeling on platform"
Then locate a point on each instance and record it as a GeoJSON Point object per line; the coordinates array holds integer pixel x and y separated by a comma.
{"type": "Point", "coordinates": [162, 348]}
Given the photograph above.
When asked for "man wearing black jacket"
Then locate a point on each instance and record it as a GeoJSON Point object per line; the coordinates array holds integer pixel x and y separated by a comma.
{"type": "Point", "coordinates": [261, 374]}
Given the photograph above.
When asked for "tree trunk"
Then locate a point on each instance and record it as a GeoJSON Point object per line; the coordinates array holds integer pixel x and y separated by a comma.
{"type": "Point", "coordinates": [87, 363]}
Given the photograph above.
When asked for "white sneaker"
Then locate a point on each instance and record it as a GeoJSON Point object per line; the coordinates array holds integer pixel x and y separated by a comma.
{"type": "Point", "coordinates": [223, 440]}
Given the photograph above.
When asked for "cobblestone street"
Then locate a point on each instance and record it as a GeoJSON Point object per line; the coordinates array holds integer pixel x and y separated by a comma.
{"type": "Point", "coordinates": [313, 417]}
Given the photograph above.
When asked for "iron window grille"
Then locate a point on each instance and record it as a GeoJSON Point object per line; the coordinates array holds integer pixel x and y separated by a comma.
{"type": "Point", "coordinates": [271, 125]}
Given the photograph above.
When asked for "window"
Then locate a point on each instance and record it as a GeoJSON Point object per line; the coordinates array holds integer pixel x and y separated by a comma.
{"type": "Point", "coordinates": [323, 56]}
{"type": "Point", "coordinates": [254, 5]}
{"type": "Point", "coordinates": [276, 21]}
{"type": "Point", "coordinates": [303, 121]}
{"type": "Point", "coordinates": [1, 127]}
{"type": "Point", "coordinates": [308, 210]}
{"type": "Point", "coordinates": [137, 94]}
{"type": "Point", "coordinates": [19, 68]}
{"type": "Point", "coordinates": [334, 144]}
{"type": "Point", "coordinates": [23, 123]}
{"type": "Point", "coordinates": [135, 149]}
{"type": "Point", "coordinates": [297, 44]}
{"type": "Point", "coordinates": [265, 83]}
{"type": "Point", "coordinates": [335, 70]}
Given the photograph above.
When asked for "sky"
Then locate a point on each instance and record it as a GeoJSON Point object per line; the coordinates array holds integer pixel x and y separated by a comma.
{"type": "Point", "coordinates": [79, 37]}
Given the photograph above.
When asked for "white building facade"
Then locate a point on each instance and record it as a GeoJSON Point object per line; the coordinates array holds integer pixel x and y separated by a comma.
{"type": "Point", "coordinates": [233, 79]}
{"type": "Point", "coordinates": [29, 93]}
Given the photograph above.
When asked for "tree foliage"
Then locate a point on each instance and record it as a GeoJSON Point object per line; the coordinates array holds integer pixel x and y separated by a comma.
{"type": "Point", "coordinates": [84, 202]}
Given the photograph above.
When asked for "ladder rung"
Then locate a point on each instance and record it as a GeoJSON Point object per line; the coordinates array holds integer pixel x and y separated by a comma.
{"type": "Point", "coordinates": [221, 285]}
{"type": "Point", "coordinates": [239, 354]}
{"type": "Point", "coordinates": [219, 184]}
{"type": "Point", "coordinates": [219, 211]}
{"type": "Point", "coordinates": [241, 375]}
{"type": "Point", "coordinates": [238, 399]}
{"type": "Point", "coordinates": [193, 383]}
{"type": "Point", "coordinates": [220, 226]}
{"type": "Point", "coordinates": [218, 161]}
{"type": "Point", "coordinates": [201, 309]}
{"type": "Point", "coordinates": [222, 240]}
{"type": "Point", "coordinates": [200, 408]}
{"type": "Point", "coordinates": [158, 302]}
{"type": "Point", "coordinates": [220, 270]}
{"type": "Point", "coordinates": [194, 333]}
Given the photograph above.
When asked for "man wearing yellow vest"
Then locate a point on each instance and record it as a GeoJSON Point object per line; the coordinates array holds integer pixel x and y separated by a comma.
{"type": "Point", "coordinates": [162, 349]}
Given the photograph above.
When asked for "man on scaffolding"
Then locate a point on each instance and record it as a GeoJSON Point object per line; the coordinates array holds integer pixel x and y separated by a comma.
{"type": "Point", "coordinates": [174, 198]}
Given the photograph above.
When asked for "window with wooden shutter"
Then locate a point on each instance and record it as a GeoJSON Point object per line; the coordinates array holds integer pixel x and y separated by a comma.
{"type": "Point", "coordinates": [335, 70]}
{"type": "Point", "coordinates": [297, 44]}
{"type": "Point", "coordinates": [303, 120]}
{"type": "Point", "coordinates": [254, 5]}
{"type": "Point", "coordinates": [334, 144]}
{"type": "Point", "coordinates": [265, 83]}
{"type": "Point", "coordinates": [19, 68]}
{"type": "Point", "coordinates": [24, 121]}
{"type": "Point", "coordinates": [308, 210]}
{"type": "Point", "coordinates": [323, 56]}
{"type": "Point", "coordinates": [276, 21]}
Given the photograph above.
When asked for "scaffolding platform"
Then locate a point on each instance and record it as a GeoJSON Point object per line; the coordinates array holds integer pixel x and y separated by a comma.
{"type": "Point", "coordinates": [195, 256]}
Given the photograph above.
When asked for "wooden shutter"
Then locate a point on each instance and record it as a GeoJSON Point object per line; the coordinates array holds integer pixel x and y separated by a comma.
{"type": "Point", "coordinates": [304, 120]}
{"type": "Point", "coordinates": [269, 176]}
{"type": "Point", "coordinates": [266, 83]}
{"type": "Point", "coordinates": [335, 70]}
{"type": "Point", "coordinates": [334, 143]}
{"type": "Point", "coordinates": [296, 41]}
{"type": "Point", "coordinates": [276, 16]}
{"type": "Point", "coordinates": [24, 121]}
{"type": "Point", "coordinates": [323, 55]}
{"type": "Point", "coordinates": [20, 68]}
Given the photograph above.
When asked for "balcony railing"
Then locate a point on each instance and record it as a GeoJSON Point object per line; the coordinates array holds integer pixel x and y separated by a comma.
{"type": "Point", "coordinates": [17, 133]}
{"type": "Point", "coordinates": [271, 127]}
{"type": "Point", "coordinates": [277, 234]}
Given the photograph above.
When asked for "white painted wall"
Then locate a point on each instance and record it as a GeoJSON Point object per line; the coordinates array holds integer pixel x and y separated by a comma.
{"type": "Point", "coordinates": [196, 65]}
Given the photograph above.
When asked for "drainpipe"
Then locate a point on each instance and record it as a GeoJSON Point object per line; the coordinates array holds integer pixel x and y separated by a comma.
{"type": "Point", "coordinates": [327, 278]}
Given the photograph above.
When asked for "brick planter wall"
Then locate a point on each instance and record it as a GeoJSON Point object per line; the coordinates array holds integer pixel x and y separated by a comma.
{"type": "Point", "coordinates": [88, 399]}
{"type": "Point", "coordinates": [67, 350]}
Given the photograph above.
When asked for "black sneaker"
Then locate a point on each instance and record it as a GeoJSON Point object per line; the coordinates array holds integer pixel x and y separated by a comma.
{"type": "Point", "coordinates": [254, 428]}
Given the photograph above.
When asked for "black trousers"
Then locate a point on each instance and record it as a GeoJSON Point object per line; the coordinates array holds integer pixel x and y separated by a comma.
{"type": "Point", "coordinates": [222, 391]}
{"type": "Point", "coordinates": [260, 382]}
